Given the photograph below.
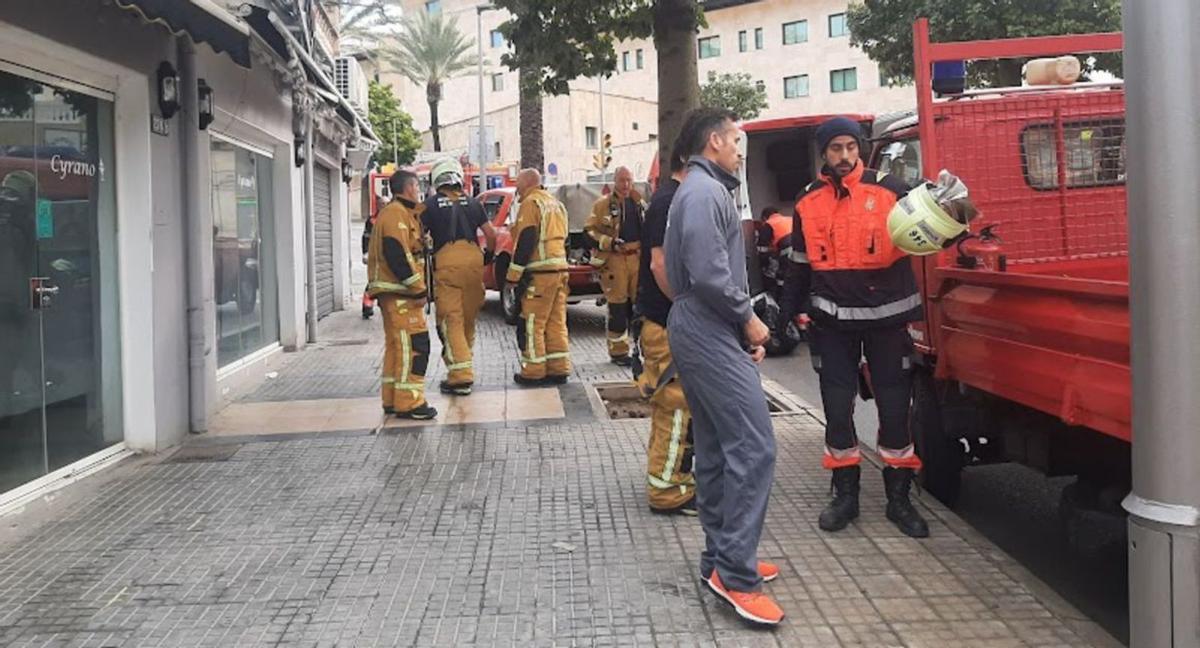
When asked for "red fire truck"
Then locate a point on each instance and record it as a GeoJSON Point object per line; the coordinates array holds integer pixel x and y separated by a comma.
{"type": "Point", "coordinates": [1024, 350]}
{"type": "Point", "coordinates": [376, 192]}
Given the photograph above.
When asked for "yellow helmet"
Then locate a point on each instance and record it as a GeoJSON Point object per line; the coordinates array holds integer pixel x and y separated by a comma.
{"type": "Point", "coordinates": [919, 226]}
{"type": "Point", "coordinates": [446, 173]}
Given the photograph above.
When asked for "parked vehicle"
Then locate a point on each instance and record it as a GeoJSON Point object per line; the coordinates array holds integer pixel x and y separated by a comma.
{"type": "Point", "coordinates": [1024, 350]}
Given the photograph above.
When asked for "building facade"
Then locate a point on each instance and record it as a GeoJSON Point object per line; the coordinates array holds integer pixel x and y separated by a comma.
{"type": "Point", "coordinates": [798, 50]}
{"type": "Point", "coordinates": [171, 202]}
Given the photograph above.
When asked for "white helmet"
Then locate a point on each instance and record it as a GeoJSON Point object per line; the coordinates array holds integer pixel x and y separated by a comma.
{"type": "Point", "coordinates": [919, 226]}
{"type": "Point", "coordinates": [448, 172]}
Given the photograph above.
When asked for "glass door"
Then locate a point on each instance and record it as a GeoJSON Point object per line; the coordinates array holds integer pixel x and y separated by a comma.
{"type": "Point", "coordinates": [59, 341]}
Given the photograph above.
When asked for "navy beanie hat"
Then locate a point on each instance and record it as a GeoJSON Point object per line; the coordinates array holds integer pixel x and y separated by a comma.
{"type": "Point", "coordinates": [837, 126]}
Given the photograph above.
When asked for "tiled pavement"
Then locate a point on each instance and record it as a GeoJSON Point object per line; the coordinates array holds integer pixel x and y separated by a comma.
{"type": "Point", "coordinates": [506, 534]}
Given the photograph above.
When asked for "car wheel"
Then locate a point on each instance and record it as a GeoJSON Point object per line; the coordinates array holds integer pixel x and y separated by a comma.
{"type": "Point", "coordinates": [508, 300]}
{"type": "Point", "coordinates": [941, 459]}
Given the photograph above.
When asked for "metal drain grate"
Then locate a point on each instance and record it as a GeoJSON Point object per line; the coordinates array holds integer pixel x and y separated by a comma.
{"type": "Point", "coordinates": [204, 453]}
{"type": "Point", "coordinates": [623, 400]}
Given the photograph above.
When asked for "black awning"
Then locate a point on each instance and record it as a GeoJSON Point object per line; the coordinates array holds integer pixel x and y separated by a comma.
{"type": "Point", "coordinates": [201, 20]}
{"type": "Point", "coordinates": [260, 21]}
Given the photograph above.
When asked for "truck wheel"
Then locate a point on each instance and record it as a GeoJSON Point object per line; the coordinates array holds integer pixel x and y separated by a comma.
{"type": "Point", "coordinates": [941, 458]}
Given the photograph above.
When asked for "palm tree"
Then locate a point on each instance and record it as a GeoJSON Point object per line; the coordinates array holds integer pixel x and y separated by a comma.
{"type": "Point", "coordinates": [530, 111]}
{"type": "Point", "coordinates": [430, 50]}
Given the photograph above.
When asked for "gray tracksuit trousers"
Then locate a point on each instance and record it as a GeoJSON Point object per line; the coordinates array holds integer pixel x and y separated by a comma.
{"type": "Point", "coordinates": [731, 426]}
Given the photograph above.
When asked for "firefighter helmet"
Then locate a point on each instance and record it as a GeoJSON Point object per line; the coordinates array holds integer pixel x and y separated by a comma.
{"type": "Point", "coordinates": [919, 226]}
{"type": "Point", "coordinates": [447, 172]}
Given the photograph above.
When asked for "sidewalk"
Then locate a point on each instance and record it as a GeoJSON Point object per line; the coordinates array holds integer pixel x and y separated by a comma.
{"type": "Point", "coordinates": [521, 524]}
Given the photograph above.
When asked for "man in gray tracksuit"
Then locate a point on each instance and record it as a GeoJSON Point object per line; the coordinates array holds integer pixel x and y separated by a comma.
{"type": "Point", "coordinates": [716, 340]}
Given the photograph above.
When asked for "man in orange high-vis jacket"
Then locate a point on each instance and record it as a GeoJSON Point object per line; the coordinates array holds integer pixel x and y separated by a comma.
{"type": "Point", "coordinates": [861, 294]}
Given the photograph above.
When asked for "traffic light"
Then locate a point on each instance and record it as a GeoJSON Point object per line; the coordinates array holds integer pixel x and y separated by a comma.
{"type": "Point", "coordinates": [602, 159]}
{"type": "Point", "coordinates": [606, 147]}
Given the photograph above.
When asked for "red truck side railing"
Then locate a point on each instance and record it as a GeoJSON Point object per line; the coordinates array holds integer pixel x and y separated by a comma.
{"type": "Point", "coordinates": [927, 53]}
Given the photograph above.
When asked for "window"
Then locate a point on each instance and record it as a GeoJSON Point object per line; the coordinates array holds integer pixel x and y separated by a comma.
{"type": "Point", "coordinates": [497, 82]}
{"type": "Point", "coordinates": [795, 32]}
{"type": "Point", "coordinates": [641, 59]}
{"type": "Point", "coordinates": [635, 125]}
{"type": "Point", "coordinates": [433, 7]}
{"type": "Point", "coordinates": [838, 26]}
{"type": "Point", "coordinates": [625, 62]}
{"type": "Point", "coordinates": [491, 205]}
{"type": "Point", "coordinates": [843, 80]}
{"type": "Point", "coordinates": [903, 160]}
{"type": "Point", "coordinates": [243, 245]}
{"type": "Point", "coordinates": [497, 152]}
{"type": "Point", "coordinates": [758, 38]}
{"type": "Point", "coordinates": [743, 41]}
{"type": "Point", "coordinates": [886, 81]}
{"type": "Point", "coordinates": [1095, 153]}
{"type": "Point", "coordinates": [710, 47]}
{"type": "Point", "coordinates": [760, 85]}
{"type": "Point", "coordinates": [497, 38]}
{"type": "Point", "coordinates": [795, 86]}
{"type": "Point", "coordinates": [592, 136]}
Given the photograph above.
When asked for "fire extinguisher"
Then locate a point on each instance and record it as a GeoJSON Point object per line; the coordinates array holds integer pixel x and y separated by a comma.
{"type": "Point", "coordinates": [982, 251]}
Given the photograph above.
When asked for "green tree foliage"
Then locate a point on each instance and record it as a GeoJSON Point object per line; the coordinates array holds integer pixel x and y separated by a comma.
{"type": "Point", "coordinates": [883, 29]}
{"type": "Point", "coordinates": [736, 92]}
{"type": "Point", "coordinates": [388, 119]}
{"type": "Point", "coordinates": [430, 50]}
{"type": "Point", "coordinates": [557, 41]}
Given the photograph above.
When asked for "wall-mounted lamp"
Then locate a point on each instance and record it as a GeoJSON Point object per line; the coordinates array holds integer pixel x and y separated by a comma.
{"type": "Point", "coordinates": [298, 151]}
{"type": "Point", "coordinates": [347, 171]}
{"type": "Point", "coordinates": [168, 90]}
{"type": "Point", "coordinates": [204, 104]}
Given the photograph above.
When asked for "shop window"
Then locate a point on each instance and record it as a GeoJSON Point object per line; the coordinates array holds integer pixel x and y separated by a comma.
{"type": "Point", "coordinates": [1095, 154]}
{"type": "Point", "coordinates": [838, 26]}
{"type": "Point", "coordinates": [795, 87]}
{"type": "Point", "coordinates": [710, 47]}
{"type": "Point", "coordinates": [795, 32]}
{"type": "Point", "coordinates": [843, 80]}
{"type": "Point", "coordinates": [246, 292]}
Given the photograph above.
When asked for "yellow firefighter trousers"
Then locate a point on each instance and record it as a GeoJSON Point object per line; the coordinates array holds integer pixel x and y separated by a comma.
{"type": "Point", "coordinates": [619, 279]}
{"type": "Point", "coordinates": [458, 296]}
{"type": "Point", "coordinates": [542, 332]}
{"type": "Point", "coordinates": [669, 481]}
{"type": "Point", "coordinates": [406, 354]}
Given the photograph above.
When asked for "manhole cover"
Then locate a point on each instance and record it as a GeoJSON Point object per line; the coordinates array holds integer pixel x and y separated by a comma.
{"type": "Point", "coordinates": [204, 453]}
{"type": "Point", "coordinates": [623, 400]}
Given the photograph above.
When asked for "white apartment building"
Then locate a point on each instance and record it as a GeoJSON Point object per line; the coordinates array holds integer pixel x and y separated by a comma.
{"type": "Point", "coordinates": [798, 50]}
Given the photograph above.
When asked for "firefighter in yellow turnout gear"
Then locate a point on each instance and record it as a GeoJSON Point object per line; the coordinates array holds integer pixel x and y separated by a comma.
{"type": "Point", "coordinates": [396, 277]}
{"type": "Point", "coordinates": [670, 485]}
{"type": "Point", "coordinates": [452, 219]}
{"type": "Point", "coordinates": [615, 227]}
{"type": "Point", "coordinates": [539, 270]}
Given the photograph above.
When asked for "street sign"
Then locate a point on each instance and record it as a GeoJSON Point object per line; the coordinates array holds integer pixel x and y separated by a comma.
{"type": "Point", "coordinates": [489, 137]}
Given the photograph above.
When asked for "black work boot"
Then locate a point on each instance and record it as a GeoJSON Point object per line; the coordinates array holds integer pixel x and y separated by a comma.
{"type": "Point", "coordinates": [844, 506]}
{"type": "Point", "coordinates": [900, 510]}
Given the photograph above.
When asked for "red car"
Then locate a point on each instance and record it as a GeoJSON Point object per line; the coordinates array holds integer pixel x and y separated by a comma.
{"type": "Point", "coordinates": [500, 207]}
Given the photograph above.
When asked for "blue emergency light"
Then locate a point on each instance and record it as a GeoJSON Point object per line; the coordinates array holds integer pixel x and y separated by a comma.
{"type": "Point", "coordinates": [949, 77]}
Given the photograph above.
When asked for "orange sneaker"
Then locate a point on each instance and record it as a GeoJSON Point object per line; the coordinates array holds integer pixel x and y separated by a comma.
{"type": "Point", "coordinates": [752, 606]}
{"type": "Point", "coordinates": [768, 571]}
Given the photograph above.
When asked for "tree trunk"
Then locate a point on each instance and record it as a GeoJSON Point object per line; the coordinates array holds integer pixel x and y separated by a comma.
{"type": "Point", "coordinates": [433, 94]}
{"type": "Point", "coordinates": [678, 87]}
{"type": "Point", "coordinates": [533, 149]}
